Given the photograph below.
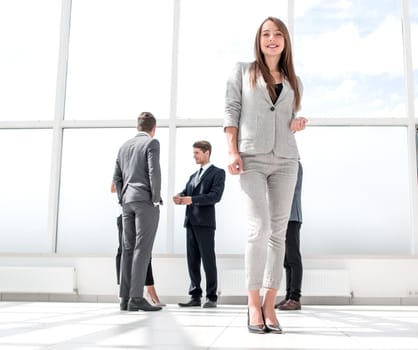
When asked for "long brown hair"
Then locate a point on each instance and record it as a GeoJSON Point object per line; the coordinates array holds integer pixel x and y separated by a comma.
{"type": "Point", "coordinates": [285, 65]}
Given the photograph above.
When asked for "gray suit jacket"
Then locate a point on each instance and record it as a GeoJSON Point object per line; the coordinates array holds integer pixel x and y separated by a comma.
{"type": "Point", "coordinates": [262, 126]}
{"type": "Point", "coordinates": [137, 173]}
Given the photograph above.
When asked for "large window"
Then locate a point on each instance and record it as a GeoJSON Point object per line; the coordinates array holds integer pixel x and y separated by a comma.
{"type": "Point", "coordinates": [121, 65]}
{"type": "Point", "coordinates": [355, 186]}
{"type": "Point", "coordinates": [29, 40]}
{"type": "Point", "coordinates": [88, 210]}
{"type": "Point", "coordinates": [214, 35]}
{"type": "Point", "coordinates": [413, 7]}
{"type": "Point", "coordinates": [416, 143]}
{"type": "Point", "coordinates": [173, 58]}
{"type": "Point", "coordinates": [349, 56]}
{"type": "Point", "coordinates": [25, 176]}
{"type": "Point", "coordinates": [355, 193]}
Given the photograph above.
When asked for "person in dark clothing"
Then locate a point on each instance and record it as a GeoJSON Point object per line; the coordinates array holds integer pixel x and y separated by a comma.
{"type": "Point", "coordinates": [203, 190]}
{"type": "Point", "coordinates": [150, 293]}
{"type": "Point", "coordinates": [293, 258]}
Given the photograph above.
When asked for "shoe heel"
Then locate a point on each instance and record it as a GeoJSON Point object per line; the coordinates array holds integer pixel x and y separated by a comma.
{"type": "Point", "coordinates": [270, 328]}
{"type": "Point", "coordinates": [257, 329]}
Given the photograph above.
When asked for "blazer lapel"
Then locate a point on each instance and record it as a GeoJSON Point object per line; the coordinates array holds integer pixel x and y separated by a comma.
{"type": "Point", "coordinates": [263, 86]}
{"type": "Point", "coordinates": [285, 91]}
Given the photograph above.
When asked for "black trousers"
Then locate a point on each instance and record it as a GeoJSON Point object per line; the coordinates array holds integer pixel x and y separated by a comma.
{"type": "Point", "coordinates": [149, 280]}
{"type": "Point", "coordinates": [201, 249]}
{"type": "Point", "coordinates": [293, 261]}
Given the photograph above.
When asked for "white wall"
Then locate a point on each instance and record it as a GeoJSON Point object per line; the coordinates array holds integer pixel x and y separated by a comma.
{"type": "Point", "coordinates": [380, 278]}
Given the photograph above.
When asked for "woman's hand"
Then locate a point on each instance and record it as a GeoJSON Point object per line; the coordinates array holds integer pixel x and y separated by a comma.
{"type": "Point", "coordinates": [235, 165]}
{"type": "Point", "coordinates": [298, 124]}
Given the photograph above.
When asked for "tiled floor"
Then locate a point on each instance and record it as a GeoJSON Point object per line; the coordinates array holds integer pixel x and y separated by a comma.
{"type": "Point", "coordinates": [101, 326]}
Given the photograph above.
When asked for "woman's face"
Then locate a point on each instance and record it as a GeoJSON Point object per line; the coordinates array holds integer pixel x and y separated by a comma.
{"type": "Point", "coordinates": [271, 39]}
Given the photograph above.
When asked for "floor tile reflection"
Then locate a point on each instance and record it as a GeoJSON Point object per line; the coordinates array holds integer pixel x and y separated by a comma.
{"type": "Point", "coordinates": [101, 326]}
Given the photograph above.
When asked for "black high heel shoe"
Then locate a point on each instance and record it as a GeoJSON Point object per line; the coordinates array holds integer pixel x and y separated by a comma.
{"type": "Point", "coordinates": [272, 328]}
{"type": "Point", "coordinates": [258, 328]}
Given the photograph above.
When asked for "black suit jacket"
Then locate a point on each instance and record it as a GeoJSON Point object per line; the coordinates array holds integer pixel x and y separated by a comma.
{"type": "Point", "coordinates": [204, 197]}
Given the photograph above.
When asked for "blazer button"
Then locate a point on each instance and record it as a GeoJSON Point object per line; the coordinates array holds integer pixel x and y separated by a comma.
{"type": "Point", "coordinates": [272, 109]}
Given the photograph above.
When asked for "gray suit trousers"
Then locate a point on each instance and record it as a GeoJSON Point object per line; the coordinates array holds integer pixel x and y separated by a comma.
{"type": "Point", "coordinates": [140, 223]}
{"type": "Point", "coordinates": [267, 184]}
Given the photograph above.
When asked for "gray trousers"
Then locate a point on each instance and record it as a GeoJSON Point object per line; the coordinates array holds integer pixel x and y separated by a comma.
{"type": "Point", "coordinates": [140, 223]}
{"type": "Point", "coordinates": [268, 184]}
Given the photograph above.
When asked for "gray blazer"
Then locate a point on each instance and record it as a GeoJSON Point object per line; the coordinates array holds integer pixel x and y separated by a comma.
{"type": "Point", "coordinates": [296, 212]}
{"type": "Point", "coordinates": [262, 126]}
{"type": "Point", "coordinates": [137, 173]}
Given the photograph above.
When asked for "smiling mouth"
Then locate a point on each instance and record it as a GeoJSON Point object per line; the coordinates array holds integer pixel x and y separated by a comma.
{"type": "Point", "coordinates": [272, 46]}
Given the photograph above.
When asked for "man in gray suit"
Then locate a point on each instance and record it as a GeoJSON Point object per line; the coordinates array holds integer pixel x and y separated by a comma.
{"type": "Point", "coordinates": [137, 179]}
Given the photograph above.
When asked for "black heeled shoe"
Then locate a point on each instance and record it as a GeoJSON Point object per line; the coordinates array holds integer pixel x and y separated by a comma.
{"type": "Point", "coordinates": [257, 329]}
{"type": "Point", "coordinates": [272, 328]}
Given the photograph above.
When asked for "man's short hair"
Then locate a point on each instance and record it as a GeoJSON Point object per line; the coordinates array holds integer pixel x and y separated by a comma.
{"type": "Point", "coordinates": [146, 122]}
{"type": "Point", "coordinates": [203, 145]}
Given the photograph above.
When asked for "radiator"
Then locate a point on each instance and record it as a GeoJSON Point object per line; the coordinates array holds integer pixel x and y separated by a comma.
{"type": "Point", "coordinates": [333, 283]}
{"type": "Point", "coordinates": [42, 279]}
{"type": "Point", "coordinates": [314, 283]}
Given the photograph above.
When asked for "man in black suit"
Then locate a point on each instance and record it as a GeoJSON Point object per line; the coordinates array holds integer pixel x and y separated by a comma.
{"type": "Point", "coordinates": [203, 190]}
